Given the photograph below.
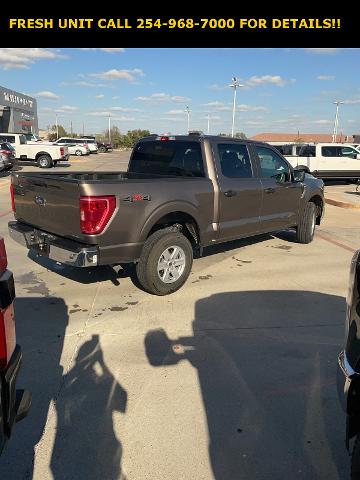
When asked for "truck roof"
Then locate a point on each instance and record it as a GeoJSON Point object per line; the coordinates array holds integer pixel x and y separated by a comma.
{"type": "Point", "coordinates": [198, 137]}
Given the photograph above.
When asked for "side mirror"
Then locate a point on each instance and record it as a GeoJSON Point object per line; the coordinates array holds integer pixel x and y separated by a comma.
{"type": "Point", "coordinates": [299, 175]}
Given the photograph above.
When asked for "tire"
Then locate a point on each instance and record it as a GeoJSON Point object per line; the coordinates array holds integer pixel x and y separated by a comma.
{"type": "Point", "coordinates": [78, 153]}
{"type": "Point", "coordinates": [147, 269]}
{"type": "Point", "coordinates": [355, 460]}
{"type": "Point", "coordinates": [306, 228]}
{"type": "Point", "coordinates": [45, 161]}
{"type": "Point", "coordinates": [102, 149]}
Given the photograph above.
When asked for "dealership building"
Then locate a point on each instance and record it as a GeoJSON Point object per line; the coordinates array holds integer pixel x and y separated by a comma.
{"type": "Point", "coordinates": [18, 112]}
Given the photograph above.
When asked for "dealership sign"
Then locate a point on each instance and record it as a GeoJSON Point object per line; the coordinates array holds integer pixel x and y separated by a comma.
{"type": "Point", "coordinates": [10, 98]}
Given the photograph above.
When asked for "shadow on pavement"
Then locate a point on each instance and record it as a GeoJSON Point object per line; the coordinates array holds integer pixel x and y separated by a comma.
{"type": "Point", "coordinates": [40, 329]}
{"type": "Point", "coordinates": [266, 363]}
{"type": "Point", "coordinates": [107, 272]}
{"type": "Point", "coordinates": [82, 401]}
{"type": "Point", "coordinates": [86, 446]}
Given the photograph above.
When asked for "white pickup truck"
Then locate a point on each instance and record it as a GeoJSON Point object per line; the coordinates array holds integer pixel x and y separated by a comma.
{"type": "Point", "coordinates": [45, 155]}
{"type": "Point", "coordinates": [324, 160]}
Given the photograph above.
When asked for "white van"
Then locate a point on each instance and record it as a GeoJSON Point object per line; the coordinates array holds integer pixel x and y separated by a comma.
{"type": "Point", "coordinates": [323, 160]}
{"type": "Point", "coordinates": [78, 141]}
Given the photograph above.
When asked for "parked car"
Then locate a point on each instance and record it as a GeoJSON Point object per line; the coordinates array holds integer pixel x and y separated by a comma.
{"type": "Point", "coordinates": [81, 142]}
{"type": "Point", "coordinates": [324, 160]}
{"type": "Point", "coordinates": [180, 194]}
{"type": "Point", "coordinates": [104, 147]}
{"type": "Point", "coordinates": [78, 150]}
{"type": "Point", "coordinates": [7, 156]}
{"type": "Point", "coordinates": [45, 154]}
{"type": "Point", "coordinates": [14, 404]}
{"type": "Point", "coordinates": [91, 143]}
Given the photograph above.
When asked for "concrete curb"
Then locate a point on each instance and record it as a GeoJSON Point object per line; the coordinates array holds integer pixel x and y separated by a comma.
{"type": "Point", "coordinates": [338, 203]}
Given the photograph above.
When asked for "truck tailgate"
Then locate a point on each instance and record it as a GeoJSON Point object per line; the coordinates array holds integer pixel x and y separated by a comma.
{"type": "Point", "coordinates": [50, 204]}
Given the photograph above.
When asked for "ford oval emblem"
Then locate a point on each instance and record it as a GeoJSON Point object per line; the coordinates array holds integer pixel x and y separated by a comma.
{"type": "Point", "coordinates": [40, 200]}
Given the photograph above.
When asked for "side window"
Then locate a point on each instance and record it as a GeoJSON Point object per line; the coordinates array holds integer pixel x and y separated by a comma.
{"type": "Point", "coordinates": [329, 151]}
{"type": "Point", "coordinates": [348, 152]}
{"type": "Point", "coordinates": [234, 160]}
{"type": "Point", "coordinates": [11, 139]}
{"type": "Point", "coordinates": [285, 149]}
{"type": "Point", "coordinates": [272, 165]}
{"type": "Point", "coordinates": [307, 151]}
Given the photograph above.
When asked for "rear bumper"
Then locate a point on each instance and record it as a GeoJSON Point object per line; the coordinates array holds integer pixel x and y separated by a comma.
{"type": "Point", "coordinates": [6, 162]}
{"type": "Point", "coordinates": [70, 252]}
{"type": "Point", "coordinates": [56, 248]}
{"type": "Point", "coordinates": [16, 403]}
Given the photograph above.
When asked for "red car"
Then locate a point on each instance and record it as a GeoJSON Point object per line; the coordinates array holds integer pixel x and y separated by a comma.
{"type": "Point", "coordinates": [14, 404]}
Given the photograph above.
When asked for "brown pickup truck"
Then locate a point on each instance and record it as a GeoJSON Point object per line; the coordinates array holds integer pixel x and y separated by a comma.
{"type": "Point", "coordinates": [179, 194]}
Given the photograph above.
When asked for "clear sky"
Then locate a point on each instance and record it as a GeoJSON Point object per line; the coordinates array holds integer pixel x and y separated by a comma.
{"type": "Point", "coordinates": [285, 90]}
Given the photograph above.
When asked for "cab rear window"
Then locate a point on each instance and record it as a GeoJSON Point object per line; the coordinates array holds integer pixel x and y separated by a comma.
{"type": "Point", "coordinates": [167, 158]}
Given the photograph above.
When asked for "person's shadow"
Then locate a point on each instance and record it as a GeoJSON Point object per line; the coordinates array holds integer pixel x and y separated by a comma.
{"type": "Point", "coordinates": [41, 324]}
{"type": "Point", "coordinates": [266, 363]}
{"type": "Point", "coordinates": [86, 446]}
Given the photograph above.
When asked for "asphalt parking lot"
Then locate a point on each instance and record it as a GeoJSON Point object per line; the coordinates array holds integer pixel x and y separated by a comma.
{"type": "Point", "coordinates": [232, 377]}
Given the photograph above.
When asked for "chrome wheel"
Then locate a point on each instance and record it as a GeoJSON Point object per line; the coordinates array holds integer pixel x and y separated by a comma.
{"type": "Point", "coordinates": [171, 264]}
{"type": "Point", "coordinates": [44, 162]}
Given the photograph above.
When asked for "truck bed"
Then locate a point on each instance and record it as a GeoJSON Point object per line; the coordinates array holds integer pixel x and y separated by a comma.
{"type": "Point", "coordinates": [50, 202]}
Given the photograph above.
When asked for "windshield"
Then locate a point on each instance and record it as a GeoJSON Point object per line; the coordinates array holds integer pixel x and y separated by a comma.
{"type": "Point", "coordinates": [167, 158]}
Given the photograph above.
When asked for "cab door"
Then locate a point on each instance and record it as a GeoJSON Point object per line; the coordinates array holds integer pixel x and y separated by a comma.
{"type": "Point", "coordinates": [280, 195]}
{"type": "Point", "coordinates": [240, 191]}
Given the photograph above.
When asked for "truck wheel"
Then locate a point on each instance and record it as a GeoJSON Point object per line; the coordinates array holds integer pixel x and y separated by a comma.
{"type": "Point", "coordinates": [306, 228]}
{"type": "Point", "coordinates": [102, 149]}
{"type": "Point", "coordinates": [45, 161]}
{"type": "Point", "coordinates": [165, 262]}
{"type": "Point", "coordinates": [78, 153]}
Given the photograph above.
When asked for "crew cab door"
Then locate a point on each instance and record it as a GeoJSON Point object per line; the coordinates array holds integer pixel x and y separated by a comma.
{"type": "Point", "coordinates": [281, 196]}
{"type": "Point", "coordinates": [338, 161]}
{"type": "Point", "coordinates": [240, 191]}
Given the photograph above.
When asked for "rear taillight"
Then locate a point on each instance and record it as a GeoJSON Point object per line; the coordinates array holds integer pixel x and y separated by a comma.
{"type": "Point", "coordinates": [95, 213]}
{"type": "Point", "coordinates": [3, 257]}
{"type": "Point", "coordinates": [7, 335]}
{"type": "Point", "coordinates": [6, 152]}
{"type": "Point", "coordinates": [62, 151]}
{"type": "Point", "coordinates": [12, 198]}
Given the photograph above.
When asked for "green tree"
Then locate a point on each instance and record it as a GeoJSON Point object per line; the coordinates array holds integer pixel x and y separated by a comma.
{"type": "Point", "coordinates": [133, 136]}
{"type": "Point", "coordinates": [53, 133]}
{"type": "Point", "coordinates": [240, 135]}
{"type": "Point", "coordinates": [115, 136]}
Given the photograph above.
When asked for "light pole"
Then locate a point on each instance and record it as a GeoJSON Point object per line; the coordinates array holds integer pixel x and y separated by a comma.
{"type": "Point", "coordinates": [208, 121]}
{"type": "Point", "coordinates": [235, 84]}
{"type": "Point", "coordinates": [187, 111]}
{"type": "Point", "coordinates": [57, 127]}
{"type": "Point", "coordinates": [336, 121]}
{"type": "Point", "coordinates": [109, 127]}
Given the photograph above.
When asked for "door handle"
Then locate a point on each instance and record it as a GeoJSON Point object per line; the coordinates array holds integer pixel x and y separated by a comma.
{"type": "Point", "coordinates": [269, 190]}
{"type": "Point", "coordinates": [230, 193]}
